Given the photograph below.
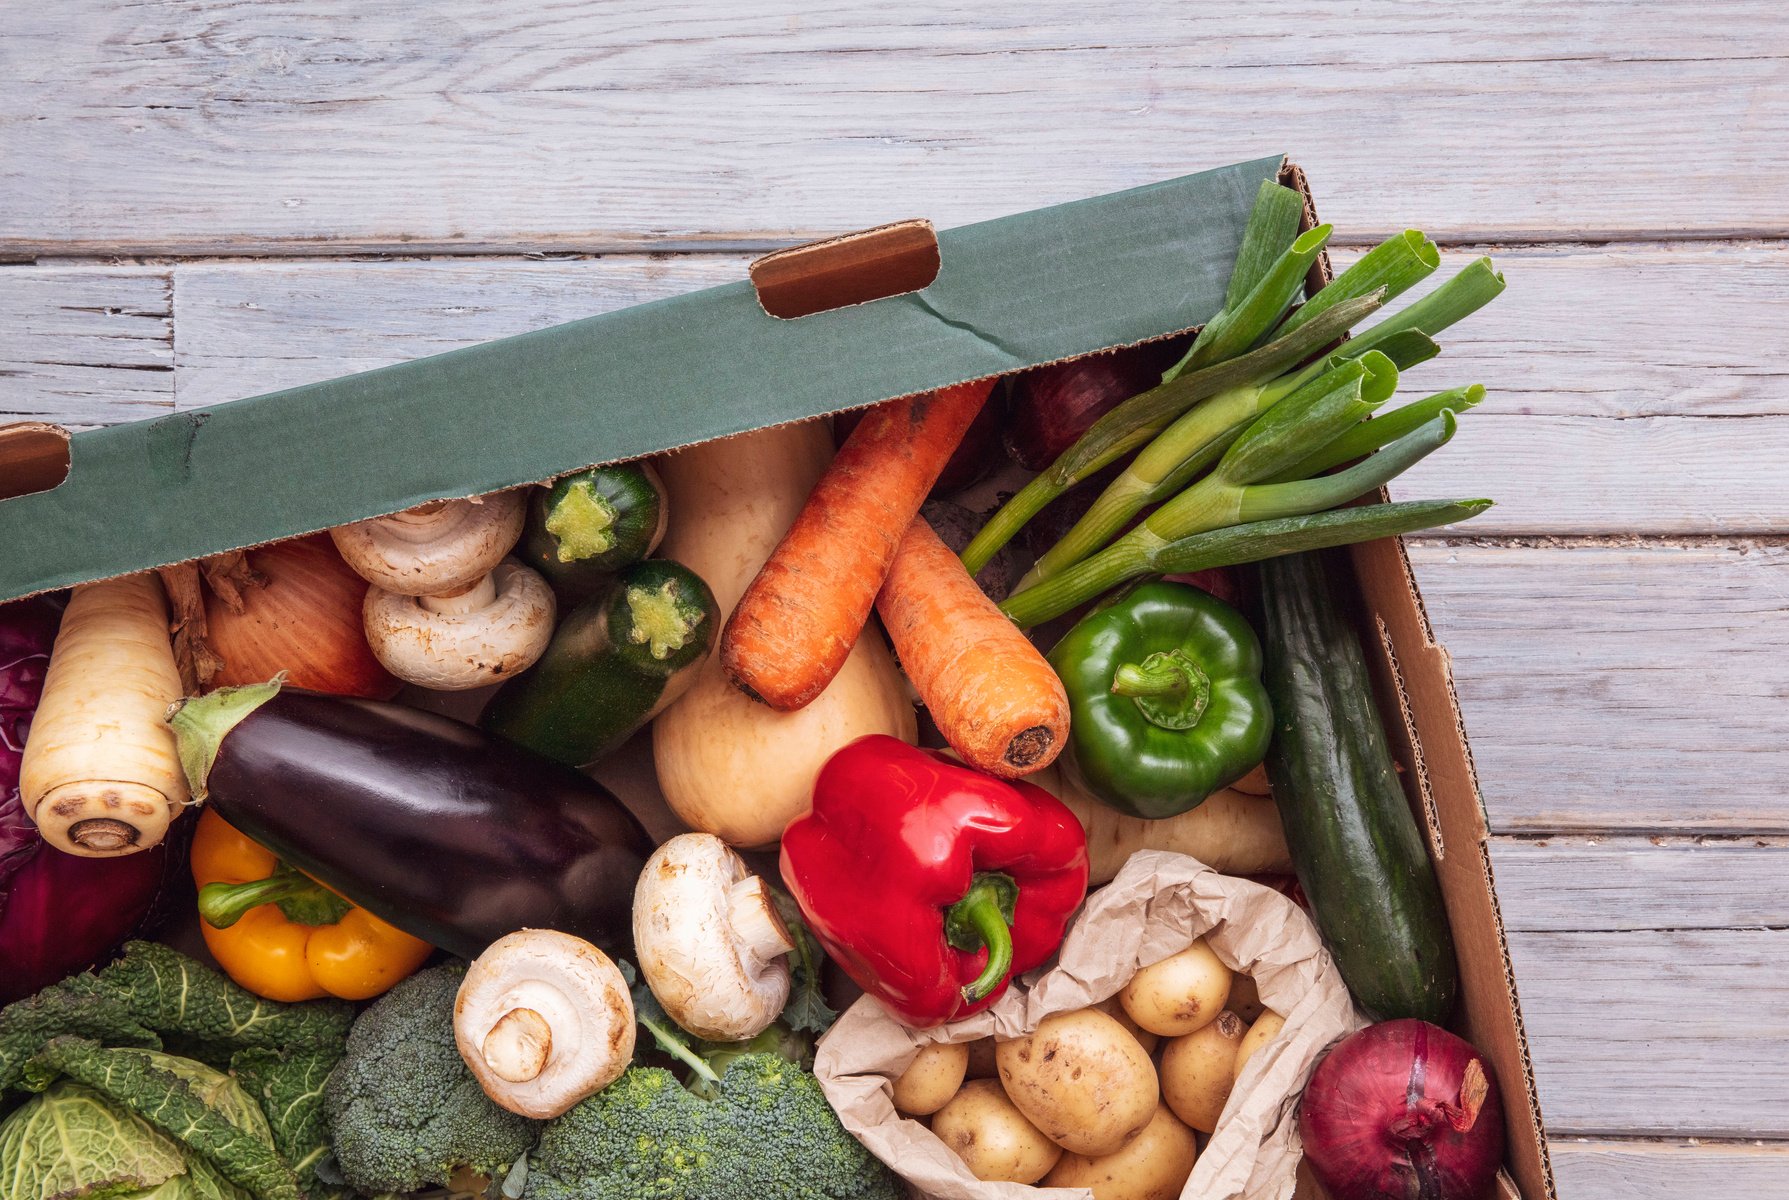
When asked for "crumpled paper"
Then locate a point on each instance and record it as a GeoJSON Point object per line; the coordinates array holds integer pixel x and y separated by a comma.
{"type": "Point", "coordinates": [1155, 907]}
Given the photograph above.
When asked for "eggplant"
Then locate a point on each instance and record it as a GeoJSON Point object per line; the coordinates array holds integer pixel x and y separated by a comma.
{"type": "Point", "coordinates": [440, 829]}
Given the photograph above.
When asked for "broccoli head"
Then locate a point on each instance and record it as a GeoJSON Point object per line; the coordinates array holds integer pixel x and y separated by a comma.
{"type": "Point", "coordinates": [404, 1111]}
{"type": "Point", "coordinates": [767, 1134]}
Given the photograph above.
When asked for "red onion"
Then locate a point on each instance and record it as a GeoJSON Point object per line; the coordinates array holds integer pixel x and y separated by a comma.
{"type": "Point", "coordinates": [1050, 407]}
{"type": "Point", "coordinates": [59, 913]}
{"type": "Point", "coordinates": [1403, 1111]}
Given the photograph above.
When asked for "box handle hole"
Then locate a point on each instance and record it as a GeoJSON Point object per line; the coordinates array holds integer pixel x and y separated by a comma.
{"type": "Point", "coordinates": [33, 458]}
{"type": "Point", "coordinates": [855, 268]}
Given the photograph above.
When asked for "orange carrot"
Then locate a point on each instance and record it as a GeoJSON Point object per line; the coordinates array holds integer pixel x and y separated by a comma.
{"type": "Point", "coordinates": [992, 695]}
{"type": "Point", "coordinates": [800, 617]}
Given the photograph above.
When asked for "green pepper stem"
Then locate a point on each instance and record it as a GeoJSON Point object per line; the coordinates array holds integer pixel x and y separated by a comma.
{"type": "Point", "coordinates": [221, 905]}
{"type": "Point", "coordinates": [983, 918]}
{"type": "Point", "coordinates": [1135, 679]}
{"type": "Point", "coordinates": [302, 900]}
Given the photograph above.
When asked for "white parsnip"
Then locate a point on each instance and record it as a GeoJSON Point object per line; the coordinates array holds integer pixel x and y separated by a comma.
{"type": "Point", "coordinates": [1231, 832]}
{"type": "Point", "coordinates": [100, 775]}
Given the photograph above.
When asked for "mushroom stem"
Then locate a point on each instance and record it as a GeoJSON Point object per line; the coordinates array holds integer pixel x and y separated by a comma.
{"type": "Point", "coordinates": [756, 922]}
{"type": "Point", "coordinates": [518, 1045]}
{"type": "Point", "coordinates": [420, 524]}
{"type": "Point", "coordinates": [481, 593]}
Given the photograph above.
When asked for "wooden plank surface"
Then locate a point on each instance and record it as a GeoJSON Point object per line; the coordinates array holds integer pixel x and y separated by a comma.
{"type": "Point", "coordinates": [1638, 1170]}
{"type": "Point", "coordinates": [86, 345]}
{"type": "Point", "coordinates": [466, 125]}
{"type": "Point", "coordinates": [1667, 1032]}
{"type": "Point", "coordinates": [1629, 884]}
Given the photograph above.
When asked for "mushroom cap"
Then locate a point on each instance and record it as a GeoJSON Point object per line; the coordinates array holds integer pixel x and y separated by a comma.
{"type": "Point", "coordinates": [543, 1019]}
{"type": "Point", "coordinates": [435, 643]}
{"type": "Point", "coordinates": [710, 943]}
{"type": "Point", "coordinates": [435, 548]}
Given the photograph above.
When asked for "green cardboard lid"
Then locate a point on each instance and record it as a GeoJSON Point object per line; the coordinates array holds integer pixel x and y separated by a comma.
{"type": "Point", "coordinates": [1010, 293]}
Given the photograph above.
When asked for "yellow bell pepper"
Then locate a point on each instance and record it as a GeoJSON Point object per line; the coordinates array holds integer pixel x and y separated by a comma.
{"type": "Point", "coordinates": [284, 936]}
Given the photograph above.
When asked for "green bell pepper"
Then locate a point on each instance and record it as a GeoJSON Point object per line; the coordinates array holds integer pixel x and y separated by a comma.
{"type": "Point", "coordinates": [1166, 703]}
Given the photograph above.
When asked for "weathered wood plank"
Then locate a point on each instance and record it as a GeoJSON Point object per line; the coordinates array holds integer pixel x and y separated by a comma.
{"type": "Point", "coordinates": [1592, 1169]}
{"type": "Point", "coordinates": [200, 126]}
{"type": "Point", "coordinates": [85, 345]}
{"type": "Point", "coordinates": [1669, 1033]}
{"type": "Point", "coordinates": [1609, 687]}
{"type": "Point", "coordinates": [1627, 884]}
{"type": "Point", "coordinates": [1566, 444]}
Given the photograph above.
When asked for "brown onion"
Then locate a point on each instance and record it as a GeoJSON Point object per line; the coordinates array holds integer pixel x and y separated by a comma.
{"type": "Point", "coordinates": [306, 621]}
{"type": "Point", "coordinates": [1050, 407]}
{"type": "Point", "coordinates": [1403, 1111]}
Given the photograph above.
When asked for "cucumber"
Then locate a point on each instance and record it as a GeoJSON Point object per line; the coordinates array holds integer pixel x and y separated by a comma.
{"type": "Point", "coordinates": [583, 528]}
{"type": "Point", "coordinates": [614, 663]}
{"type": "Point", "coordinates": [1360, 857]}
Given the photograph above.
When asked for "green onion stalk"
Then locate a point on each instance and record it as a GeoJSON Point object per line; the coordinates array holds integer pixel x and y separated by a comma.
{"type": "Point", "coordinates": [1235, 494]}
{"type": "Point", "coordinates": [1139, 419]}
{"type": "Point", "coordinates": [1190, 445]}
{"type": "Point", "coordinates": [1197, 438]}
{"type": "Point", "coordinates": [1250, 542]}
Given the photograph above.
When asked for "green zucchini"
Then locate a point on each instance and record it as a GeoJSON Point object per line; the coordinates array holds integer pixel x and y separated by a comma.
{"type": "Point", "coordinates": [1360, 858]}
{"type": "Point", "coordinates": [583, 528]}
{"type": "Point", "coordinates": [614, 663]}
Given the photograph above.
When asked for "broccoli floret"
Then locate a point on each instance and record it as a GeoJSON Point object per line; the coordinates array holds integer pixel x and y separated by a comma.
{"type": "Point", "coordinates": [404, 1112]}
{"type": "Point", "coordinates": [768, 1134]}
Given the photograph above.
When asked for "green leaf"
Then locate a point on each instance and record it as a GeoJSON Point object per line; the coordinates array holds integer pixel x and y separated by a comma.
{"type": "Point", "coordinates": [168, 992]}
{"type": "Point", "coordinates": [807, 1010]}
{"type": "Point", "coordinates": [70, 1142]}
{"type": "Point", "coordinates": [196, 1106]}
{"type": "Point", "coordinates": [289, 1089]}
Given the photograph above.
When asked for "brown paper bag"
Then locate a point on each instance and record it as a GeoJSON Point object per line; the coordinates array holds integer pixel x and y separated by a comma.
{"type": "Point", "coordinates": [1155, 907]}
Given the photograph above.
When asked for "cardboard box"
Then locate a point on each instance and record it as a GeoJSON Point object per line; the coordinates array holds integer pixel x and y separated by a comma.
{"type": "Point", "coordinates": [859, 319]}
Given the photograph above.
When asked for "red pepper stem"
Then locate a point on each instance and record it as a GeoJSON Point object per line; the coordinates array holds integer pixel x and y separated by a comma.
{"type": "Point", "coordinates": [983, 917]}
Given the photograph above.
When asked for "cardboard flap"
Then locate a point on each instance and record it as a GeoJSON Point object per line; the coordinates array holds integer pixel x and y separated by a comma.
{"type": "Point", "coordinates": [1009, 293]}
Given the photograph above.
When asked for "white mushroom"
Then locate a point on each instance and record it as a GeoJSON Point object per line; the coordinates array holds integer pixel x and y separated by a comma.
{"type": "Point", "coordinates": [496, 628]}
{"type": "Point", "coordinates": [437, 548]}
{"type": "Point", "coordinates": [543, 1019]}
{"type": "Point", "coordinates": [710, 943]}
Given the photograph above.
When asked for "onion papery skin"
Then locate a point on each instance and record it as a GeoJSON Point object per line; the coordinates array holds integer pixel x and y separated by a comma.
{"type": "Point", "coordinates": [1404, 1110]}
{"type": "Point", "coordinates": [306, 622]}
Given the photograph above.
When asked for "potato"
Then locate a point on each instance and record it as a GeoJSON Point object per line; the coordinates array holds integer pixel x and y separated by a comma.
{"type": "Point", "coordinates": [1154, 1165]}
{"type": "Point", "coordinates": [1245, 1000]}
{"type": "Point", "coordinates": [1112, 1008]}
{"type": "Point", "coordinates": [1266, 1028]}
{"type": "Point", "coordinates": [1179, 994]}
{"type": "Point", "coordinates": [1198, 1071]}
{"type": "Point", "coordinates": [993, 1138]}
{"type": "Point", "coordinates": [931, 1079]}
{"type": "Point", "coordinates": [1081, 1079]}
{"type": "Point", "coordinates": [981, 1060]}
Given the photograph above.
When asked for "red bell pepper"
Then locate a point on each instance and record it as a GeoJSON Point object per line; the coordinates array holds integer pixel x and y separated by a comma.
{"type": "Point", "coordinates": [930, 883]}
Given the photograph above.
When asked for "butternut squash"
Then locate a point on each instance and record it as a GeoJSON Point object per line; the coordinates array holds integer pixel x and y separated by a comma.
{"type": "Point", "coordinates": [727, 764]}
